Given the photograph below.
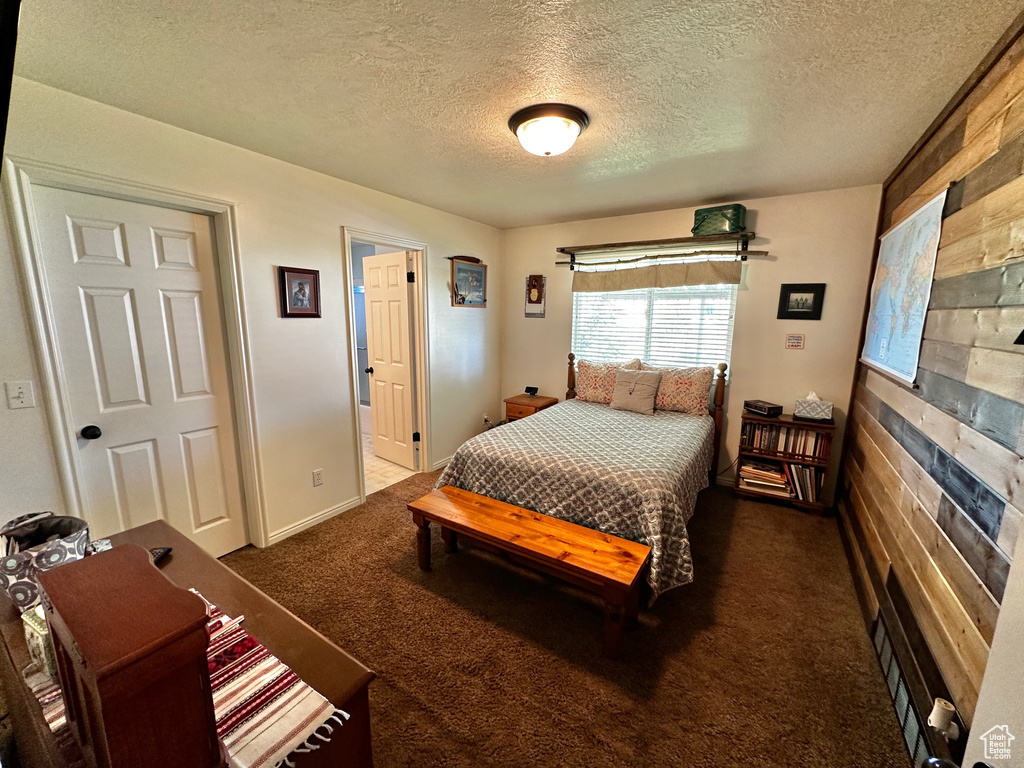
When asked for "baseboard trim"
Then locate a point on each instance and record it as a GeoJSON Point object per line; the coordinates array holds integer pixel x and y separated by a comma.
{"type": "Point", "coordinates": [443, 462]}
{"type": "Point", "coordinates": [312, 520]}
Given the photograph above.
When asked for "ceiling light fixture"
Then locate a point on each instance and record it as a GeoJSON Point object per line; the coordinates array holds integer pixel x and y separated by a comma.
{"type": "Point", "coordinates": [548, 129]}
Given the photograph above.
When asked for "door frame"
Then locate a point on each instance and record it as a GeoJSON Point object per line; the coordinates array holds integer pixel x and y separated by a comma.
{"type": "Point", "coordinates": [20, 175]}
{"type": "Point", "coordinates": [419, 335]}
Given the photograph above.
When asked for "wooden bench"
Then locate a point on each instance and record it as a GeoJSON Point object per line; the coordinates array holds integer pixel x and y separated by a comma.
{"type": "Point", "coordinates": [607, 565]}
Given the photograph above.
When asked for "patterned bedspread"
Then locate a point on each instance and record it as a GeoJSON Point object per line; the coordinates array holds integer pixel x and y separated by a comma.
{"type": "Point", "coordinates": [627, 474]}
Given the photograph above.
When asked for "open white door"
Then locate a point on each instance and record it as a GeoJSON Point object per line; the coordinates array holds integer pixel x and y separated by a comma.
{"type": "Point", "coordinates": [132, 293]}
{"type": "Point", "coordinates": [388, 335]}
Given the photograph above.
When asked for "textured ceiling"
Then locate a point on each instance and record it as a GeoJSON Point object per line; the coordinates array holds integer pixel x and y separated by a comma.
{"type": "Point", "coordinates": [690, 101]}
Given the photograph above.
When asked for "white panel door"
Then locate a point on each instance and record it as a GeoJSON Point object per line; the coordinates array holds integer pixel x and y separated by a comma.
{"type": "Point", "coordinates": [133, 294]}
{"type": "Point", "coordinates": [388, 336]}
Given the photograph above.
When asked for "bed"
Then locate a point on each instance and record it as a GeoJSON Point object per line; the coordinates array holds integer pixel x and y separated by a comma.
{"type": "Point", "coordinates": [628, 474]}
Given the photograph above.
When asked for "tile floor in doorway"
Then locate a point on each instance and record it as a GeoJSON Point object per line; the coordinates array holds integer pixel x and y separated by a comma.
{"type": "Point", "coordinates": [380, 473]}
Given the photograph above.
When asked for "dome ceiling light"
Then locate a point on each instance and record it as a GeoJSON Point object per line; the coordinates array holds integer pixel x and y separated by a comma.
{"type": "Point", "coordinates": [548, 129]}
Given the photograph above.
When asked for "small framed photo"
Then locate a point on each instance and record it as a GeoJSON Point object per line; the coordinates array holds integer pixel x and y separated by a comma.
{"type": "Point", "coordinates": [469, 284]}
{"type": "Point", "coordinates": [300, 291]}
{"type": "Point", "coordinates": [536, 286]}
{"type": "Point", "coordinates": [801, 301]}
{"type": "Point", "coordinates": [794, 341]}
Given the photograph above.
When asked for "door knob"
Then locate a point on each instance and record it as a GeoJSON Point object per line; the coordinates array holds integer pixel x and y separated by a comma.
{"type": "Point", "coordinates": [91, 432]}
{"type": "Point", "coordinates": [368, 370]}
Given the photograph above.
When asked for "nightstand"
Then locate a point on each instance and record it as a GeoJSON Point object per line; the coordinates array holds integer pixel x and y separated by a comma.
{"type": "Point", "coordinates": [520, 406]}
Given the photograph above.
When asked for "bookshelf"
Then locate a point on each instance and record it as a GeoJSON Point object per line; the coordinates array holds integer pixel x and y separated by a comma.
{"type": "Point", "coordinates": [784, 458]}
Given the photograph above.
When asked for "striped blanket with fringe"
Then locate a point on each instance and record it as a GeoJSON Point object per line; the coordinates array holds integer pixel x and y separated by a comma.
{"type": "Point", "coordinates": [265, 713]}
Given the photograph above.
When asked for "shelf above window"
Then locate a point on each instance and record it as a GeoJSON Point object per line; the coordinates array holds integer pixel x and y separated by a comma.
{"type": "Point", "coordinates": [681, 247]}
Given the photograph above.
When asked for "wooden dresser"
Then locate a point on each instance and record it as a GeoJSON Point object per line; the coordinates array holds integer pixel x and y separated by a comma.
{"type": "Point", "coordinates": [324, 666]}
{"type": "Point", "coordinates": [521, 406]}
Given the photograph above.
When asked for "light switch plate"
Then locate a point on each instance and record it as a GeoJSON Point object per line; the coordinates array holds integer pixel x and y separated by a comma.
{"type": "Point", "coordinates": [20, 394]}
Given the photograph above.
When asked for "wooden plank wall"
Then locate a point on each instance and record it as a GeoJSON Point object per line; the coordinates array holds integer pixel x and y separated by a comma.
{"type": "Point", "coordinates": [934, 475]}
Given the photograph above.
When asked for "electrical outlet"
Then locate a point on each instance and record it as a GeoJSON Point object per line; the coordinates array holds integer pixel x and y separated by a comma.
{"type": "Point", "coordinates": [486, 420]}
{"type": "Point", "coordinates": [318, 477]}
{"type": "Point", "coordinates": [20, 394]}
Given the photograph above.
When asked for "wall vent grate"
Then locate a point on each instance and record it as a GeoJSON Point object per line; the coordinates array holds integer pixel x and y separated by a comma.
{"type": "Point", "coordinates": [910, 722]}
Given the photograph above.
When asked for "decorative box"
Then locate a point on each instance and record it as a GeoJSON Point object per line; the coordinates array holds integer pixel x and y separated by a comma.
{"type": "Point", "coordinates": [37, 638]}
{"type": "Point", "coordinates": [814, 410]}
{"type": "Point", "coordinates": [719, 220]}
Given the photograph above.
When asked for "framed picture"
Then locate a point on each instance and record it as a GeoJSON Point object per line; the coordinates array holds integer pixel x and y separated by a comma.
{"type": "Point", "coordinates": [469, 284]}
{"type": "Point", "coordinates": [300, 291]}
{"type": "Point", "coordinates": [536, 287]}
{"type": "Point", "coordinates": [801, 301]}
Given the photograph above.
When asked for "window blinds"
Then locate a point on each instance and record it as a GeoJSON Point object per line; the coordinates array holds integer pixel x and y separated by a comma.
{"type": "Point", "coordinates": [682, 326]}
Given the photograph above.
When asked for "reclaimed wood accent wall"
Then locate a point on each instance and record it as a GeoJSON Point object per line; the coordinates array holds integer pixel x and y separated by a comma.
{"type": "Point", "coordinates": [933, 475]}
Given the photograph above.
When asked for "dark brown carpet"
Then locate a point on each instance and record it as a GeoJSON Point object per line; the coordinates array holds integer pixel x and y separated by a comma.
{"type": "Point", "coordinates": [763, 660]}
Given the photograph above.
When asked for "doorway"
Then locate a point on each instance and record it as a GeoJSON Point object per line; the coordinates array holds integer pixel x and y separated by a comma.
{"type": "Point", "coordinates": [136, 355]}
{"type": "Point", "coordinates": [388, 357]}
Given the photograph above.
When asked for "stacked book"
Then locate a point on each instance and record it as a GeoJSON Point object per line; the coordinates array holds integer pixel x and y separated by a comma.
{"type": "Point", "coordinates": [787, 481]}
{"type": "Point", "coordinates": [770, 479]}
{"type": "Point", "coordinates": [782, 439]}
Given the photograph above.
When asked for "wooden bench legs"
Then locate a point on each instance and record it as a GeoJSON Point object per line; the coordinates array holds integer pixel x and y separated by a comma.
{"type": "Point", "coordinates": [621, 606]}
{"type": "Point", "coordinates": [614, 622]}
{"type": "Point", "coordinates": [450, 538]}
{"type": "Point", "coordinates": [621, 609]}
{"type": "Point", "coordinates": [422, 541]}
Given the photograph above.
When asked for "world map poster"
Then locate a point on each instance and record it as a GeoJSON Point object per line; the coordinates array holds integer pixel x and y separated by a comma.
{"type": "Point", "coordinates": [901, 290]}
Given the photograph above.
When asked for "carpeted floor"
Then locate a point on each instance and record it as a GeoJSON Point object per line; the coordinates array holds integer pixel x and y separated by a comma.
{"type": "Point", "coordinates": [762, 661]}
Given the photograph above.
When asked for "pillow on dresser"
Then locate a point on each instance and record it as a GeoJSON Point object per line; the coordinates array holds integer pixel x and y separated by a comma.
{"type": "Point", "coordinates": [635, 391]}
{"type": "Point", "coordinates": [595, 382]}
{"type": "Point", "coordinates": [687, 390]}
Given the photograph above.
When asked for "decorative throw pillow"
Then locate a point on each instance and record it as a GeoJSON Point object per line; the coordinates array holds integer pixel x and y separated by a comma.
{"type": "Point", "coordinates": [595, 382]}
{"type": "Point", "coordinates": [687, 390]}
{"type": "Point", "coordinates": [635, 391]}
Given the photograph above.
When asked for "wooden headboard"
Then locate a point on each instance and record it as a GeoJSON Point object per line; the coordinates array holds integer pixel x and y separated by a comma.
{"type": "Point", "coordinates": [715, 408]}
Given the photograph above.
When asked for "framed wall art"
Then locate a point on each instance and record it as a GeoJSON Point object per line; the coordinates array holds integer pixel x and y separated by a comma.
{"type": "Point", "coordinates": [300, 291]}
{"type": "Point", "coordinates": [469, 283]}
{"type": "Point", "coordinates": [801, 301]}
{"type": "Point", "coordinates": [536, 287]}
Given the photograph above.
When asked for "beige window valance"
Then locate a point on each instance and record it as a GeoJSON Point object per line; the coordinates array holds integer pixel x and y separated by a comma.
{"type": "Point", "coordinates": [656, 276]}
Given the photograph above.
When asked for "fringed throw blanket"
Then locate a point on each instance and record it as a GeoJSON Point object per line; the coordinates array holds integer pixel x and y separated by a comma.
{"type": "Point", "coordinates": [265, 713]}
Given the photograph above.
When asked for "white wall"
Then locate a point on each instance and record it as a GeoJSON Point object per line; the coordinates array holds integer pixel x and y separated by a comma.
{"type": "Point", "coordinates": [820, 237]}
{"type": "Point", "coordinates": [285, 215]}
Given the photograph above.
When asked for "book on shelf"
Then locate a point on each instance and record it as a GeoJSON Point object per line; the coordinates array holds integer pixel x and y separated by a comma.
{"type": "Point", "coordinates": [782, 493]}
{"type": "Point", "coordinates": [784, 439]}
{"type": "Point", "coordinates": [788, 480]}
{"type": "Point", "coordinates": [762, 477]}
{"type": "Point", "coordinates": [764, 484]}
{"type": "Point", "coordinates": [760, 468]}
{"type": "Point", "coordinates": [807, 482]}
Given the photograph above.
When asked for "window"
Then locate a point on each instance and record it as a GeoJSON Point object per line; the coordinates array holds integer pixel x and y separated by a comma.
{"type": "Point", "coordinates": [685, 326]}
